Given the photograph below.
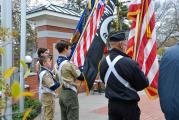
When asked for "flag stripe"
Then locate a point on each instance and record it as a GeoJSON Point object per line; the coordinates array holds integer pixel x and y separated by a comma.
{"type": "Point", "coordinates": [84, 46]}
{"type": "Point", "coordinates": [134, 9]}
{"type": "Point", "coordinates": [155, 80]}
{"type": "Point", "coordinates": [91, 27]}
{"type": "Point", "coordinates": [81, 53]}
{"type": "Point", "coordinates": [132, 31]}
{"type": "Point", "coordinates": [147, 51]}
{"type": "Point", "coordinates": [78, 56]}
{"type": "Point", "coordinates": [131, 39]}
{"type": "Point", "coordinates": [153, 70]}
{"type": "Point", "coordinates": [146, 43]}
{"type": "Point", "coordinates": [150, 59]}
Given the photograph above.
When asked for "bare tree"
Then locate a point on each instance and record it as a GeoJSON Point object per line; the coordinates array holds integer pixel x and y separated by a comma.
{"type": "Point", "coordinates": [167, 24]}
{"type": "Point", "coordinates": [31, 33]}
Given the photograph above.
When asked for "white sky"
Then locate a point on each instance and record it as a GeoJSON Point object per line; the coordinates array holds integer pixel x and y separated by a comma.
{"type": "Point", "coordinates": [62, 1]}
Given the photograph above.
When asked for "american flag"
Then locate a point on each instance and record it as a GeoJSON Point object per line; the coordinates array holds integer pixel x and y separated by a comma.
{"type": "Point", "coordinates": [142, 41]}
{"type": "Point", "coordinates": [88, 34]}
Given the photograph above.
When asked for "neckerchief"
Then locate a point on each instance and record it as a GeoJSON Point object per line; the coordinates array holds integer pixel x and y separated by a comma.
{"type": "Point", "coordinates": [44, 68]}
{"type": "Point", "coordinates": [61, 59]}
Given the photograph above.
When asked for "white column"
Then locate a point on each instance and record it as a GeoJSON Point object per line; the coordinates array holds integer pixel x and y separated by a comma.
{"type": "Point", "coordinates": [6, 22]}
{"type": "Point", "coordinates": [22, 49]}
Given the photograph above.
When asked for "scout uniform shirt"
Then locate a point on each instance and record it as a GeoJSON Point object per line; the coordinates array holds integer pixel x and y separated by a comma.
{"type": "Point", "coordinates": [47, 82]}
{"type": "Point", "coordinates": [68, 73]}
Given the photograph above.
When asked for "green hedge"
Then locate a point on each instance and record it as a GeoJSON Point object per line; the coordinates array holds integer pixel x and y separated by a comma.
{"type": "Point", "coordinates": [29, 102]}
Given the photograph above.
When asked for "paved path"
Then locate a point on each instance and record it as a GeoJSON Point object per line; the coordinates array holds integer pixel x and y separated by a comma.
{"type": "Point", "coordinates": [94, 107]}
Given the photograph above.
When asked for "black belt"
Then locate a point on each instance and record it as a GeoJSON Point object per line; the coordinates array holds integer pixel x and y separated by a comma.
{"type": "Point", "coordinates": [123, 101]}
{"type": "Point", "coordinates": [66, 88]}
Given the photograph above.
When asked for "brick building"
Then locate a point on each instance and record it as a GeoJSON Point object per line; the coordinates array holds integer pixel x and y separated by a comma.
{"type": "Point", "coordinates": [53, 23]}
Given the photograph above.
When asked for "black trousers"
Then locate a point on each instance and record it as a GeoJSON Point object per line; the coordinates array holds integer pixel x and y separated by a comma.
{"type": "Point", "coordinates": [123, 111]}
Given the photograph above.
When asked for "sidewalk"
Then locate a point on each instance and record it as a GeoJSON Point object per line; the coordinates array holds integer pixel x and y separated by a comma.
{"type": "Point", "coordinates": [94, 107]}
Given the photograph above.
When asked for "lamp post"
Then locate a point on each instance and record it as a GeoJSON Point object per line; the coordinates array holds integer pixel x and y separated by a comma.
{"type": "Point", "coordinates": [22, 50]}
{"type": "Point", "coordinates": [28, 60]}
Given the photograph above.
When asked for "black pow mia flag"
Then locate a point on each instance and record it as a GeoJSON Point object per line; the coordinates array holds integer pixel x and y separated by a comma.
{"type": "Point", "coordinates": [95, 52]}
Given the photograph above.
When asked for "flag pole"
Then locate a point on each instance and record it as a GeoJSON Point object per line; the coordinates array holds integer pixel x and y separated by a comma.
{"type": "Point", "coordinates": [138, 23]}
{"type": "Point", "coordinates": [22, 50]}
{"type": "Point", "coordinates": [85, 26]}
{"type": "Point", "coordinates": [136, 38]}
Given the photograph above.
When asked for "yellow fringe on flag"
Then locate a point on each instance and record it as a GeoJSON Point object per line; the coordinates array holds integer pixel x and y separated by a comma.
{"type": "Point", "coordinates": [89, 4]}
{"type": "Point", "coordinates": [75, 38]}
{"type": "Point", "coordinates": [132, 15]}
{"type": "Point", "coordinates": [149, 34]}
{"type": "Point", "coordinates": [131, 49]}
{"type": "Point", "coordinates": [86, 88]}
{"type": "Point", "coordinates": [153, 90]}
{"type": "Point", "coordinates": [148, 27]}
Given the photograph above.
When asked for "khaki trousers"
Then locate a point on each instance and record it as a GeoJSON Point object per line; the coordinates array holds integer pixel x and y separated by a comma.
{"type": "Point", "coordinates": [48, 106]}
{"type": "Point", "coordinates": [69, 105]}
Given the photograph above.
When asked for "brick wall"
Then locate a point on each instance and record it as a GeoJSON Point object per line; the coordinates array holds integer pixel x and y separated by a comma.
{"type": "Point", "coordinates": [49, 41]}
{"type": "Point", "coordinates": [33, 83]}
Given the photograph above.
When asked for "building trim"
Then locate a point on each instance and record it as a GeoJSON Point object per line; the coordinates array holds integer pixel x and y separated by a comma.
{"type": "Point", "coordinates": [37, 14]}
{"type": "Point", "coordinates": [52, 38]}
{"type": "Point", "coordinates": [54, 28]}
{"type": "Point", "coordinates": [54, 22]}
{"type": "Point", "coordinates": [48, 33]}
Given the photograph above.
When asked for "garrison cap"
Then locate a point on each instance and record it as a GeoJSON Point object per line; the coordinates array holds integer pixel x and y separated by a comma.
{"type": "Point", "coordinates": [120, 36]}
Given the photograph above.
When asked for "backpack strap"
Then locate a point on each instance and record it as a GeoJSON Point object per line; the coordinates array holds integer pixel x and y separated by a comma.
{"type": "Point", "coordinates": [64, 83]}
{"type": "Point", "coordinates": [43, 89]}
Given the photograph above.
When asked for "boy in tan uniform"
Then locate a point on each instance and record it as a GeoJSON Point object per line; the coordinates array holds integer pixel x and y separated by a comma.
{"type": "Point", "coordinates": [47, 88]}
{"type": "Point", "coordinates": [68, 74]}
